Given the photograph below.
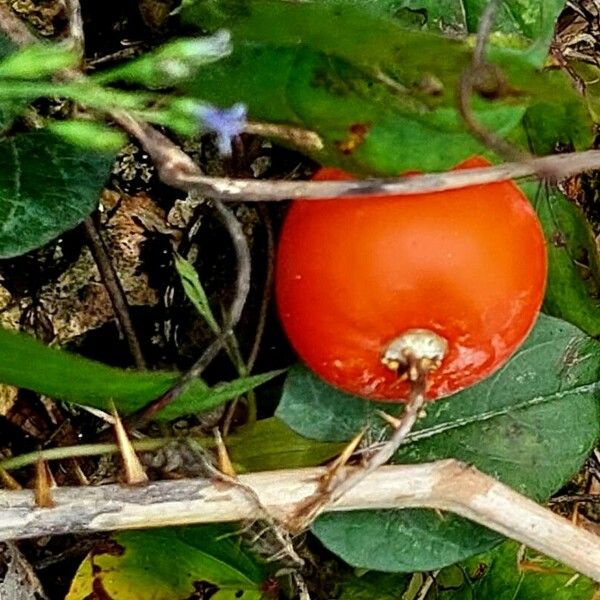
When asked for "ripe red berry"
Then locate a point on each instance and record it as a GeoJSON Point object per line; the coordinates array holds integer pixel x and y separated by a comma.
{"type": "Point", "coordinates": [354, 275]}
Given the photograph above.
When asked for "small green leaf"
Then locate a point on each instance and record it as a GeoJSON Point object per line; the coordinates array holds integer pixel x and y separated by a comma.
{"type": "Point", "coordinates": [573, 289]}
{"type": "Point", "coordinates": [512, 572]}
{"type": "Point", "coordinates": [89, 135]}
{"type": "Point", "coordinates": [171, 63]}
{"type": "Point", "coordinates": [46, 187]}
{"type": "Point", "coordinates": [530, 425]}
{"type": "Point", "coordinates": [269, 444]}
{"type": "Point", "coordinates": [75, 379]}
{"type": "Point", "coordinates": [38, 61]}
{"type": "Point", "coordinates": [195, 292]}
{"type": "Point", "coordinates": [170, 564]}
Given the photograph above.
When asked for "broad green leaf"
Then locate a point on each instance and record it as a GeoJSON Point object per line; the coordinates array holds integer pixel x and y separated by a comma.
{"type": "Point", "coordinates": [365, 84]}
{"type": "Point", "coordinates": [531, 20]}
{"type": "Point", "coordinates": [573, 289]}
{"type": "Point", "coordinates": [46, 187]}
{"type": "Point", "coordinates": [531, 425]}
{"type": "Point", "coordinates": [334, 20]}
{"type": "Point", "coordinates": [29, 364]}
{"type": "Point", "coordinates": [511, 572]}
{"type": "Point", "coordinates": [269, 444]}
{"type": "Point", "coordinates": [547, 126]}
{"type": "Point", "coordinates": [415, 539]}
{"type": "Point", "coordinates": [170, 564]}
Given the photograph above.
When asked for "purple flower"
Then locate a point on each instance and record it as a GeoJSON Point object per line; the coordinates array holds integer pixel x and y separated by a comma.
{"type": "Point", "coordinates": [227, 123]}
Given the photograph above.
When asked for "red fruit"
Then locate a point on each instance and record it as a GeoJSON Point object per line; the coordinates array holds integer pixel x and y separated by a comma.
{"type": "Point", "coordinates": [355, 274]}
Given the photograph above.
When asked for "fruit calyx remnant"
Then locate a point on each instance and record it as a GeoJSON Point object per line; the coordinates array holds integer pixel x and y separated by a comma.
{"type": "Point", "coordinates": [415, 353]}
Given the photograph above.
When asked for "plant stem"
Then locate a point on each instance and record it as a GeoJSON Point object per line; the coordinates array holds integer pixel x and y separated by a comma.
{"type": "Point", "coordinates": [114, 289]}
{"type": "Point", "coordinates": [31, 458]}
{"type": "Point", "coordinates": [81, 91]}
{"type": "Point", "coordinates": [444, 485]}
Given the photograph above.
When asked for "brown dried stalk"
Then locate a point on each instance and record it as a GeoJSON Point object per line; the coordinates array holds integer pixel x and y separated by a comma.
{"type": "Point", "coordinates": [445, 485]}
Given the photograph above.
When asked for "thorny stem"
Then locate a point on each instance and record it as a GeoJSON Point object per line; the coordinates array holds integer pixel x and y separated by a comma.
{"type": "Point", "coordinates": [281, 535]}
{"type": "Point", "coordinates": [415, 404]}
{"type": "Point", "coordinates": [312, 507]}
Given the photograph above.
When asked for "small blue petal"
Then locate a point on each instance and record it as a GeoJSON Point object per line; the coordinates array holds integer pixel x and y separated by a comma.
{"type": "Point", "coordinates": [227, 123]}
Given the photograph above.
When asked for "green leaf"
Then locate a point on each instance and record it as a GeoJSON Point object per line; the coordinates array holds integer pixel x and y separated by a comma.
{"type": "Point", "coordinates": [375, 586]}
{"type": "Point", "coordinates": [589, 75]}
{"type": "Point", "coordinates": [9, 109]}
{"type": "Point", "coordinates": [531, 425]}
{"type": "Point", "coordinates": [364, 83]}
{"type": "Point", "coordinates": [573, 289]}
{"type": "Point", "coordinates": [330, 23]}
{"type": "Point", "coordinates": [89, 135]}
{"type": "Point", "coordinates": [170, 564]}
{"type": "Point", "coordinates": [269, 444]}
{"type": "Point", "coordinates": [7, 46]}
{"type": "Point", "coordinates": [195, 292]}
{"type": "Point", "coordinates": [415, 539]}
{"type": "Point", "coordinates": [75, 379]}
{"type": "Point", "coordinates": [46, 187]}
{"type": "Point", "coordinates": [529, 19]}
{"type": "Point", "coordinates": [171, 63]}
{"type": "Point", "coordinates": [551, 125]}
{"type": "Point", "coordinates": [37, 61]}
{"type": "Point", "coordinates": [510, 572]}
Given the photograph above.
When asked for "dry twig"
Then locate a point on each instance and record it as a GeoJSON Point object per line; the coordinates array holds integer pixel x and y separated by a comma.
{"type": "Point", "coordinates": [336, 486]}
{"type": "Point", "coordinates": [444, 485]}
{"type": "Point", "coordinates": [114, 289]}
